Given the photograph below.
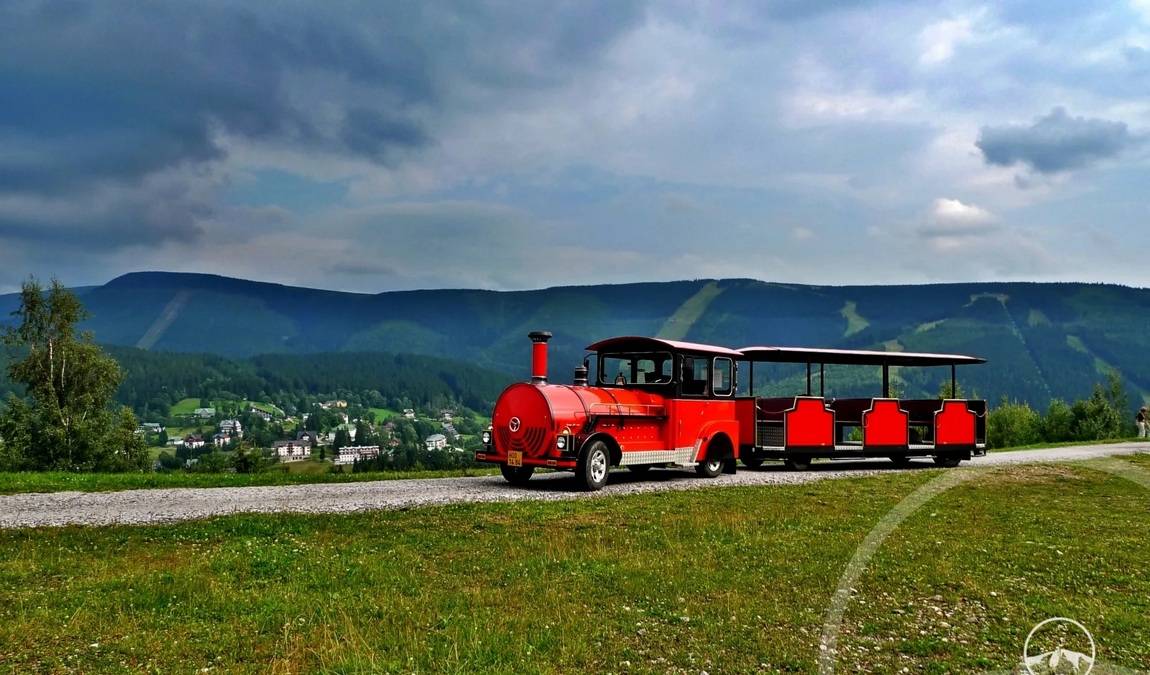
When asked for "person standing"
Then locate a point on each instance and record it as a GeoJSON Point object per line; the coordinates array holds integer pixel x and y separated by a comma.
{"type": "Point", "coordinates": [1142, 418]}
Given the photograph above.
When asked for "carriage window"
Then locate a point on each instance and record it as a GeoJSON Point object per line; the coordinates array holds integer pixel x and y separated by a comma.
{"type": "Point", "coordinates": [626, 369]}
{"type": "Point", "coordinates": [724, 377]}
{"type": "Point", "coordinates": [695, 375]}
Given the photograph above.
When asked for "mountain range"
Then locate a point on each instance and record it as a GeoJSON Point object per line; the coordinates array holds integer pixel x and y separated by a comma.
{"type": "Point", "coordinates": [1042, 340]}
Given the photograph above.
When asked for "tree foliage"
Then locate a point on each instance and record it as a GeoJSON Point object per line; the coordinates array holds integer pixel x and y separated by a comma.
{"type": "Point", "coordinates": [65, 419]}
{"type": "Point", "coordinates": [1102, 416]}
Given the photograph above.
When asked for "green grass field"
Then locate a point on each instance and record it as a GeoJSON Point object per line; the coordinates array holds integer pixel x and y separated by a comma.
{"type": "Point", "coordinates": [730, 580]}
{"type": "Point", "coordinates": [59, 481]}
{"type": "Point", "coordinates": [188, 406]}
{"type": "Point", "coordinates": [308, 471]}
{"type": "Point", "coordinates": [185, 406]}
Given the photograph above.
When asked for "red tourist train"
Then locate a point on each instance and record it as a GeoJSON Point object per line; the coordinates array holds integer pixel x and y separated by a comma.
{"type": "Point", "coordinates": [658, 403]}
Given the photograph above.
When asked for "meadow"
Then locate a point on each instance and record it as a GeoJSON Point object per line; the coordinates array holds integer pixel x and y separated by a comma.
{"type": "Point", "coordinates": [295, 473]}
{"type": "Point", "coordinates": [724, 580]}
{"type": "Point", "coordinates": [285, 474]}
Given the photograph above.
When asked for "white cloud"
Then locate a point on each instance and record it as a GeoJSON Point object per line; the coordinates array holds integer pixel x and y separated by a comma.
{"type": "Point", "coordinates": [1142, 7]}
{"type": "Point", "coordinates": [953, 213]}
{"type": "Point", "coordinates": [939, 40]}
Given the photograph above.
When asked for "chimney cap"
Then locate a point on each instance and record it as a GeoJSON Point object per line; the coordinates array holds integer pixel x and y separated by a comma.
{"type": "Point", "coordinates": [539, 335]}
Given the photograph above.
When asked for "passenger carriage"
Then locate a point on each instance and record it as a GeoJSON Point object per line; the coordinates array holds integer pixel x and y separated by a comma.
{"type": "Point", "coordinates": [797, 429]}
{"type": "Point", "coordinates": [652, 402]}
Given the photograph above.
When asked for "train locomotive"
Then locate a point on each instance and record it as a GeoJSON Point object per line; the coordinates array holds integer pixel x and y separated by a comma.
{"type": "Point", "coordinates": [659, 403]}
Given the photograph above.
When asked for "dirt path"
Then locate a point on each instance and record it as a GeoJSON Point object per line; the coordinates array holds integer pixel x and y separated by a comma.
{"type": "Point", "coordinates": [170, 505]}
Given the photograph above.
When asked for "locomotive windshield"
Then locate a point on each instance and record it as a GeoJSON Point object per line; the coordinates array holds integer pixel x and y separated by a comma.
{"type": "Point", "coordinates": [645, 368]}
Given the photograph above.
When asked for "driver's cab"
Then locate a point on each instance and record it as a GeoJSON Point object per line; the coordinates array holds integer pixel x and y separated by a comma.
{"type": "Point", "coordinates": [629, 369]}
{"type": "Point", "coordinates": [669, 373]}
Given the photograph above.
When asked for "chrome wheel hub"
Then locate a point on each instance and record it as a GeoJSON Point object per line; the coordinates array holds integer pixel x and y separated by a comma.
{"type": "Point", "coordinates": [598, 466]}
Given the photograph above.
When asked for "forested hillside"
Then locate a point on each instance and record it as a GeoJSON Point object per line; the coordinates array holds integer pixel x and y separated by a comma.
{"type": "Point", "coordinates": [154, 381]}
{"type": "Point", "coordinates": [1042, 340]}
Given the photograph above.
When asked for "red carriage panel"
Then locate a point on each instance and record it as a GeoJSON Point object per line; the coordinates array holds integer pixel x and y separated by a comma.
{"type": "Point", "coordinates": [809, 424]}
{"type": "Point", "coordinates": [954, 424]}
{"type": "Point", "coordinates": [886, 425]}
{"type": "Point", "coordinates": [745, 414]}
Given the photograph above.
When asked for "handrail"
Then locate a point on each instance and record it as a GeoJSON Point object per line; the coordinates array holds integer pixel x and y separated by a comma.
{"type": "Point", "coordinates": [628, 409]}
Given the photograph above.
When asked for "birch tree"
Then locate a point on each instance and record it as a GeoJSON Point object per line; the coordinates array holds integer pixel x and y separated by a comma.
{"type": "Point", "coordinates": [66, 419]}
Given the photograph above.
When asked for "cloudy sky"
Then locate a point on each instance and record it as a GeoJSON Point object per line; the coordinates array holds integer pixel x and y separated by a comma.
{"type": "Point", "coordinates": [389, 145]}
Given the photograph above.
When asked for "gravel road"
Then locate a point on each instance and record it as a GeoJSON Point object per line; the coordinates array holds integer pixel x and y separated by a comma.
{"type": "Point", "coordinates": [170, 505]}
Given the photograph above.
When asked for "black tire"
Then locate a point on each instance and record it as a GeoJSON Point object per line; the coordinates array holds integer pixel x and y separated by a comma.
{"type": "Point", "coordinates": [639, 469]}
{"type": "Point", "coordinates": [593, 466]}
{"type": "Point", "coordinates": [709, 468]}
{"type": "Point", "coordinates": [900, 460]}
{"type": "Point", "coordinates": [751, 462]}
{"type": "Point", "coordinates": [798, 462]}
{"type": "Point", "coordinates": [516, 475]}
{"type": "Point", "coordinates": [947, 462]}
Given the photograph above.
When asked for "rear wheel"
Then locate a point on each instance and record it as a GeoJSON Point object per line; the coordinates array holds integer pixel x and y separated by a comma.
{"type": "Point", "coordinates": [948, 462]}
{"type": "Point", "coordinates": [517, 475]}
{"type": "Point", "coordinates": [593, 466]}
{"type": "Point", "coordinates": [900, 460]}
{"type": "Point", "coordinates": [709, 468]}
{"type": "Point", "coordinates": [751, 462]}
{"type": "Point", "coordinates": [798, 462]}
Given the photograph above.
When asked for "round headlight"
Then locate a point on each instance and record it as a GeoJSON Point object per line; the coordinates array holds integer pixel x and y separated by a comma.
{"type": "Point", "coordinates": [561, 442]}
{"type": "Point", "coordinates": [487, 438]}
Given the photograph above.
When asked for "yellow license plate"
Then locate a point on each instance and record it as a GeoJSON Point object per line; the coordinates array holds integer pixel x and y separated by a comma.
{"type": "Point", "coordinates": [515, 458]}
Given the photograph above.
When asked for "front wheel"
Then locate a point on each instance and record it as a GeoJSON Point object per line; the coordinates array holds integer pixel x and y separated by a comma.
{"type": "Point", "coordinates": [798, 462]}
{"type": "Point", "coordinates": [710, 468]}
{"type": "Point", "coordinates": [593, 466]}
{"type": "Point", "coordinates": [516, 475]}
{"type": "Point", "coordinates": [948, 462]}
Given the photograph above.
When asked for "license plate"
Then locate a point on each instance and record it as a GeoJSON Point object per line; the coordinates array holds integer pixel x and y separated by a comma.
{"type": "Point", "coordinates": [515, 458]}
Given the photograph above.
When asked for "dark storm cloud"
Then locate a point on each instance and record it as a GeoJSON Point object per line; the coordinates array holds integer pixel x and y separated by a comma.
{"type": "Point", "coordinates": [163, 208]}
{"type": "Point", "coordinates": [99, 96]}
{"type": "Point", "coordinates": [375, 134]}
{"type": "Point", "coordinates": [1054, 143]}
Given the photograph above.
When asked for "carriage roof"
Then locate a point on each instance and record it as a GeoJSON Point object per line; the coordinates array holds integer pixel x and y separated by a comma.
{"type": "Point", "coordinates": [635, 343]}
{"type": "Point", "coordinates": [854, 357]}
{"type": "Point", "coordinates": [861, 357]}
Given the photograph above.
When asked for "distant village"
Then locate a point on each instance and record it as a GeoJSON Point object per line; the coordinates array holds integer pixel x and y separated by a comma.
{"type": "Point", "coordinates": [332, 435]}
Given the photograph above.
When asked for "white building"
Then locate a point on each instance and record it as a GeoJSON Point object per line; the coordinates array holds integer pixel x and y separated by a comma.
{"type": "Point", "coordinates": [292, 451]}
{"type": "Point", "coordinates": [262, 414]}
{"type": "Point", "coordinates": [232, 428]}
{"type": "Point", "coordinates": [409, 413]}
{"type": "Point", "coordinates": [355, 453]}
{"type": "Point", "coordinates": [205, 413]}
{"type": "Point", "coordinates": [436, 442]}
{"type": "Point", "coordinates": [193, 441]}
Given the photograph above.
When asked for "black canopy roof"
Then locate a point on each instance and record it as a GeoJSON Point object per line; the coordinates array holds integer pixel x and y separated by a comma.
{"type": "Point", "coordinates": [854, 357]}
{"type": "Point", "coordinates": [635, 343]}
